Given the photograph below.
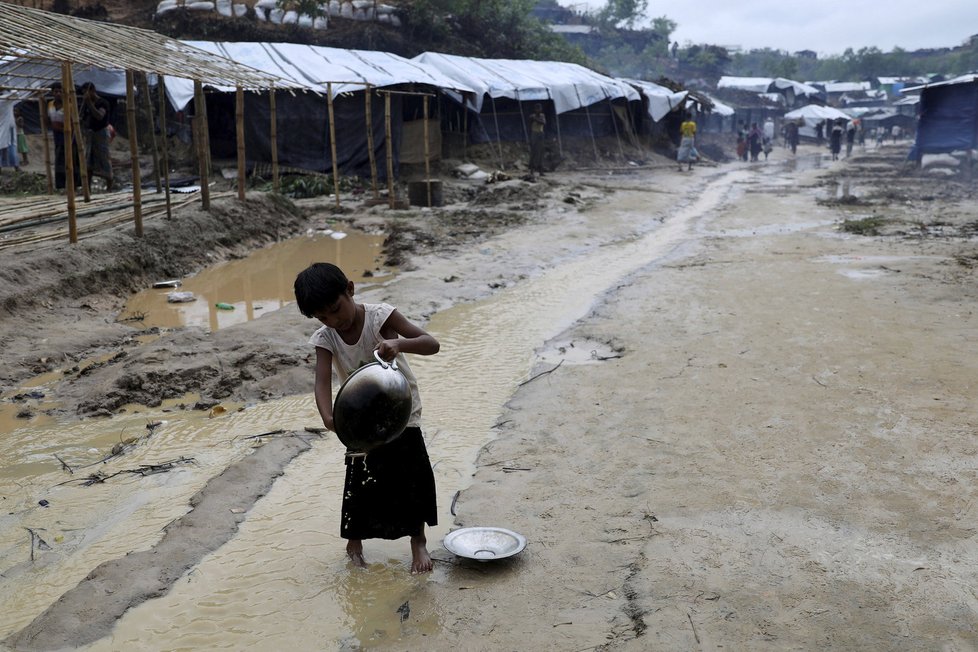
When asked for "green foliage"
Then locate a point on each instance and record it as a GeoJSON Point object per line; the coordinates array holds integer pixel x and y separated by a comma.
{"type": "Point", "coordinates": [621, 13]}
{"type": "Point", "coordinates": [311, 8]}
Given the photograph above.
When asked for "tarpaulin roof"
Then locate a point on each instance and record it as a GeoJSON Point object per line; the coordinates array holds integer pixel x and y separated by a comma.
{"type": "Point", "coordinates": [569, 85]}
{"type": "Point", "coordinates": [963, 79]}
{"type": "Point", "coordinates": [814, 113]}
{"type": "Point", "coordinates": [310, 67]}
{"type": "Point", "coordinates": [767, 85]}
{"type": "Point", "coordinates": [661, 99]}
{"type": "Point", "coordinates": [720, 108]}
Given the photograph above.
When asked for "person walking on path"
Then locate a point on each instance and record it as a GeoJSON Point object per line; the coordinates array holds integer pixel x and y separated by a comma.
{"type": "Point", "coordinates": [791, 136]}
{"type": "Point", "coordinates": [538, 125]}
{"type": "Point", "coordinates": [835, 140]}
{"type": "Point", "coordinates": [389, 492]}
{"type": "Point", "coordinates": [754, 142]}
{"type": "Point", "coordinates": [22, 148]}
{"type": "Point", "coordinates": [687, 145]}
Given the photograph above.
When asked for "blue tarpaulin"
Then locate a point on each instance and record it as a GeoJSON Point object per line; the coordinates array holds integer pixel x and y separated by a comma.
{"type": "Point", "coordinates": [948, 117]}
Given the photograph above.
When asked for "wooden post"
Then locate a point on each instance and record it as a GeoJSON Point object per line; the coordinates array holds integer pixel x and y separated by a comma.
{"type": "Point", "coordinates": [71, 101]}
{"type": "Point", "coordinates": [276, 182]}
{"type": "Point", "coordinates": [390, 150]}
{"type": "Point", "coordinates": [137, 190]}
{"type": "Point", "coordinates": [465, 129]}
{"type": "Point", "coordinates": [332, 142]}
{"type": "Point", "coordinates": [427, 163]}
{"type": "Point", "coordinates": [239, 126]}
{"type": "Point", "coordinates": [144, 91]}
{"type": "Point", "coordinates": [203, 144]}
{"type": "Point", "coordinates": [42, 105]}
{"type": "Point", "coordinates": [69, 159]}
{"type": "Point", "coordinates": [499, 141]}
{"type": "Point", "coordinates": [368, 96]}
{"type": "Point", "coordinates": [560, 144]}
{"type": "Point", "coordinates": [161, 89]}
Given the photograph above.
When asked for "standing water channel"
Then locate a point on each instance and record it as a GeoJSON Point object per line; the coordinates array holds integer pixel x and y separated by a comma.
{"type": "Point", "coordinates": [283, 580]}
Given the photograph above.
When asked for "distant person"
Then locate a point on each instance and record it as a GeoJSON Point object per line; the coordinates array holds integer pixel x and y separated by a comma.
{"type": "Point", "coordinates": [94, 120]}
{"type": "Point", "coordinates": [687, 145]}
{"type": "Point", "coordinates": [389, 492]}
{"type": "Point", "coordinates": [880, 135]}
{"type": "Point", "coordinates": [820, 133]}
{"type": "Point", "coordinates": [791, 135]}
{"type": "Point", "coordinates": [23, 150]}
{"type": "Point", "coordinates": [742, 144]}
{"type": "Point", "coordinates": [55, 117]}
{"type": "Point", "coordinates": [897, 132]}
{"type": "Point", "coordinates": [769, 129]}
{"type": "Point", "coordinates": [835, 140]}
{"type": "Point", "coordinates": [850, 138]}
{"type": "Point", "coordinates": [755, 142]}
{"type": "Point", "coordinates": [538, 125]}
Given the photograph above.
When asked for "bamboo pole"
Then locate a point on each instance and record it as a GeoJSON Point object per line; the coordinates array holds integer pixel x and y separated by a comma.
{"type": "Point", "coordinates": [332, 142]}
{"type": "Point", "coordinates": [560, 144]}
{"type": "Point", "coordinates": [590, 127]}
{"type": "Point", "coordinates": [427, 159]}
{"type": "Point", "coordinates": [203, 160]}
{"type": "Point", "coordinates": [144, 91]}
{"type": "Point", "coordinates": [161, 89]}
{"type": "Point", "coordinates": [137, 190]}
{"type": "Point", "coordinates": [465, 130]}
{"type": "Point", "coordinates": [71, 100]}
{"type": "Point", "coordinates": [276, 182]}
{"type": "Point", "coordinates": [390, 150]}
{"type": "Point", "coordinates": [239, 128]}
{"type": "Point", "coordinates": [368, 95]}
{"type": "Point", "coordinates": [69, 159]}
{"type": "Point", "coordinates": [42, 105]}
{"type": "Point", "coordinates": [614, 123]}
{"type": "Point", "coordinates": [499, 142]}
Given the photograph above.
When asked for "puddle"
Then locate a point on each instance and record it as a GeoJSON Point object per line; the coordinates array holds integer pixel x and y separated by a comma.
{"type": "Point", "coordinates": [260, 283]}
{"type": "Point", "coordinates": [569, 351]}
{"type": "Point", "coordinates": [803, 162]}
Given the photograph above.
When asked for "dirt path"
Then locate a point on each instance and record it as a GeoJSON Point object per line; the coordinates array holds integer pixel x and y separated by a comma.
{"type": "Point", "coordinates": [779, 454]}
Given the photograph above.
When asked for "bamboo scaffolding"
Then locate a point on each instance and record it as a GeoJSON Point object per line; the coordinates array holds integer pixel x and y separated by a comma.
{"type": "Point", "coordinates": [144, 91]}
{"type": "Point", "coordinates": [390, 150]}
{"type": "Point", "coordinates": [137, 191]}
{"type": "Point", "coordinates": [332, 142]}
{"type": "Point", "coordinates": [239, 129]}
{"type": "Point", "coordinates": [69, 159]}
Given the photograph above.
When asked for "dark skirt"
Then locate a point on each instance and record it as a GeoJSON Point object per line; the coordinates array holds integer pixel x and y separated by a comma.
{"type": "Point", "coordinates": [390, 493]}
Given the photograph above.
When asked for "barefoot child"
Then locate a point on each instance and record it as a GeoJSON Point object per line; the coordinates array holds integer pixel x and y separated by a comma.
{"type": "Point", "coordinates": [390, 493]}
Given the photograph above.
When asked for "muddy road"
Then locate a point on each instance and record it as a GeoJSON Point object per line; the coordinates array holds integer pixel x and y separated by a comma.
{"type": "Point", "coordinates": [728, 407]}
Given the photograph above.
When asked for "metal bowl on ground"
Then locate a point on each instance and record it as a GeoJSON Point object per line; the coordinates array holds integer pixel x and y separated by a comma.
{"type": "Point", "coordinates": [484, 543]}
{"type": "Point", "coordinates": [373, 406]}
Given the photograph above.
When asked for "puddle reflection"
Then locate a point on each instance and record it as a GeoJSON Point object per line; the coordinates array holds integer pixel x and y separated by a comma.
{"type": "Point", "coordinates": [260, 283]}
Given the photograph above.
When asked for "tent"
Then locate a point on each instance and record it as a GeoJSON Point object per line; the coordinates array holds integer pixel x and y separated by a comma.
{"type": "Point", "coordinates": [788, 89]}
{"type": "Point", "coordinates": [302, 117]}
{"type": "Point", "coordinates": [813, 114]}
{"type": "Point", "coordinates": [659, 100]}
{"type": "Point", "coordinates": [948, 116]}
{"type": "Point", "coordinates": [578, 99]}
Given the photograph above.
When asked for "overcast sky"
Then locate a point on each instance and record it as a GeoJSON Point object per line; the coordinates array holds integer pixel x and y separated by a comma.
{"type": "Point", "coordinates": [827, 27]}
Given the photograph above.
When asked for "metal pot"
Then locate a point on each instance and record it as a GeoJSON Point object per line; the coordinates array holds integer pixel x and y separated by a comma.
{"type": "Point", "coordinates": [373, 406]}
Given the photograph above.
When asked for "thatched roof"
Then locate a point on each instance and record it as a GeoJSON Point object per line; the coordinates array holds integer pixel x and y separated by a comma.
{"type": "Point", "coordinates": [38, 42]}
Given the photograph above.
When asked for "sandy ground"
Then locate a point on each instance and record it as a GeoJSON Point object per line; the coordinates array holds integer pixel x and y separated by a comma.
{"type": "Point", "coordinates": [778, 453]}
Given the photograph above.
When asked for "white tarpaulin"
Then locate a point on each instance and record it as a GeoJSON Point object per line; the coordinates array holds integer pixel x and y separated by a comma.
{"type": "Point", "coordinates": [720, 108]}
{"type": "Point", "coordinates": [813, 114]}
{"type": "Point", "coordinates": [19, 76]}
{"type": "Point", "coordinates": [569, 85]}
{"type": "Point", "coordinates": [661, 100]}
{"type": "Point", "coordinates": [767, 85]}
{"type": "Point", "coordinates": [310, 67]}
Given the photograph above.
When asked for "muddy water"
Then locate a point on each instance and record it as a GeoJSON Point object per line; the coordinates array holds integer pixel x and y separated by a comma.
{"type": "Point", "coordinates": [284, 580]}
{"type": "Point", "coordinates": [260, 283]}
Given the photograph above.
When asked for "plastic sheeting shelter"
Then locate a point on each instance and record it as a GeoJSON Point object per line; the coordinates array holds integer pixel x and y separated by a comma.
{"type": "Point", "coordinates": [813, 114]}
{"type": "Point", "coordinates": [506, 89]}
{"type": "Point", "coordinates": [948, 117]}
{"type": "Point", "coordinates": [302, 117]}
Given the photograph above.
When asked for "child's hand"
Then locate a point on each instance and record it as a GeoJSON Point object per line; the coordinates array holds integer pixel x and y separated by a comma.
{"type": "Point", "coordinates": [388, 349]}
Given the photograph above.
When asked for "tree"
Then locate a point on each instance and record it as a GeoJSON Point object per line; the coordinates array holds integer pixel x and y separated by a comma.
{"type": "Point", "coordinates": [311, 8]}
{"type": "Point", "coordinates": [622, 13]}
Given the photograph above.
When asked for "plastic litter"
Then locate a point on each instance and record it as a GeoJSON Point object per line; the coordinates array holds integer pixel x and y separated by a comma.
{"type": "Point", "coordinates": [223, 306]}
{"type": "Point", "coordinates": [173, 283]}
{"type": "Point", "coordinates": [180, 297]}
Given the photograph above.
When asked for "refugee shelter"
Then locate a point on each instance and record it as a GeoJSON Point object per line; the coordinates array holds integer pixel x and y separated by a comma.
{"type": "Point", "coordinates": [812, 115]}
{"type": "Point", "coordinates": [787, 92]}
{"type": "Point", "coordinates": [578, 102]}
{"type": "Point", "coordinates": [948, 118]}
{"type": "Point", "coordinates": [357, 96]}
{"type": "Point", "coordinates": [39, 48]}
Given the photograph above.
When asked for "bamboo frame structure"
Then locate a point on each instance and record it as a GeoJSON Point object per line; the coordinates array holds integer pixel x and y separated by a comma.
{"type": "Point", "coordinates": [390, 150]}
{"type": "Point", "coordinates": [427, 159]}
{"type": "Point", "coordinates": [42, 105]}
{"type": "Point", "coordinates": [332, 142]}
{"type": "Point", "coordinates": [69, 164]}
{"type": "Point", "coordinates": [71, 101]}
{"type": "Point", "coordinates": [367, 95]}
{"type": "Point", "coordinates": [161, 89]}
{"type": "Point", "coordinates": [202, 143]}
{"type": "Point", "coordinates": [137, 189]}
{"type": "Point", "coordinates": [143, 85]}
{"type": "Point", "coordinates": [240, 134]}
{"type": "Point", "coordinates": [273, 134]}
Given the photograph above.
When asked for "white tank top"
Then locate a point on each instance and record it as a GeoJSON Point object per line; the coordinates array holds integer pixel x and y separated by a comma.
{"type": "Point", "coordinates": [347, 358]}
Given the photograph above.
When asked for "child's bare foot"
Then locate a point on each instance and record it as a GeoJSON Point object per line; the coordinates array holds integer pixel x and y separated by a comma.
{"type": "Point", "coordinates": [420, 559]}
{"type": "Point", "coordinates": [354, 550]}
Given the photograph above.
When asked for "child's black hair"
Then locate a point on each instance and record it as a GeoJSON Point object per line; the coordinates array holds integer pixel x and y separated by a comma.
{"type": "Point", "coordinates": [319, 286]}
